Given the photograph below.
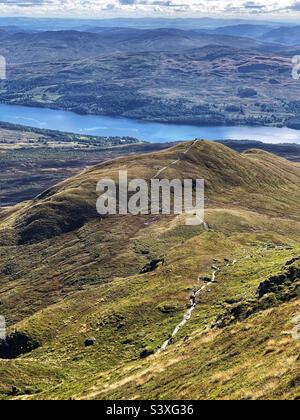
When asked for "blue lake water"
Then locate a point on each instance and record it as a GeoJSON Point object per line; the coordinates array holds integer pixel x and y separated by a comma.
{"type": "Point", "coordinates": [152, 132]}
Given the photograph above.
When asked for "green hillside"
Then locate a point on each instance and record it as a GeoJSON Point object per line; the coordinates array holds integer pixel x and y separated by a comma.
{"type": "Point", "coordinates": [66, 275]}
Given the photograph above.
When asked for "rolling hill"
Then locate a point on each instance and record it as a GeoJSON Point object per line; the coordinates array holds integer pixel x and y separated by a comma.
{"type": "Point", "coordinates": [285, 35]}
{"type": "Point", "coordinates": [42, 24]}
{"type": "Point", "coordinates": [124, 282]}
{"type": "Point", "coordinates": [244, 30]}
{"type": "Point", "coordinates": [282, 35]}
{"type": "Point", "coordinates": [18, 47]}
{"type": "Point", "coordinates": [165, 75]}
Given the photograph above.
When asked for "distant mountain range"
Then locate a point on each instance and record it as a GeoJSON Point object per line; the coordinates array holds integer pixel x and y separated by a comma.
{"type": "Point", "coordinates": [278, 35]}
{"type": "Point", "coordinates": [44, 24]}
{"type": "Point", "coordinates": [274, 32]}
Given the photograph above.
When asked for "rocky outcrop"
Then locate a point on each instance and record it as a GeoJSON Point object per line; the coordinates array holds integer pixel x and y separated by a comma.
{"type": "Point", "coordinates": [274, 284]}
{"type": "Point", "coordinates": [16, 345]}
{"type": "Point", "coordinates": [292, 261]}
{"type": "Point", "coordinates": [271, 292]}
{"type": "Point", "coordinates": [89, 342]}
{"type": "Point", "coordinates": [146, 353]}
{"type": "Point", "coordinates": [152, 266]}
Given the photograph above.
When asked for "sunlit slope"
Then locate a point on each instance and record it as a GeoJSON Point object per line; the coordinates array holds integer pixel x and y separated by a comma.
{"type": "Point", "coordinates": [59, 286]}
{"type": "Point", "coordinates": [229, 176]}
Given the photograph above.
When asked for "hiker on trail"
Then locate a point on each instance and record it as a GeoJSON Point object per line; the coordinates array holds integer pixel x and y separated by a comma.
{"type": "Point", "coordinates": [193, 297]}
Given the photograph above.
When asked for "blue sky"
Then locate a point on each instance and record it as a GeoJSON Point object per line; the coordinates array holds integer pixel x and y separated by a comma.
{"type": "Point", "coordinates": [284, 9]}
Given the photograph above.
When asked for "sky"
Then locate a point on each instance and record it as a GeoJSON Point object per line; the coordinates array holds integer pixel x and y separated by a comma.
{"type": "Point", "coordinates": [283, 9]}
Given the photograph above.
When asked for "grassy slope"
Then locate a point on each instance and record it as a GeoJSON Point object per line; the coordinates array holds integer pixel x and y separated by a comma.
{"type": "Point", "coordinates": [59, 290]}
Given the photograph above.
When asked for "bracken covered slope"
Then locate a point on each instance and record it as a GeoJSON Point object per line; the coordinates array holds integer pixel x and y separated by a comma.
{"type": "Point", "coordinates": [67, 275]}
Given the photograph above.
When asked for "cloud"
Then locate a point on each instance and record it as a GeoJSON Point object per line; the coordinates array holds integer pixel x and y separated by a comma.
{"type": "Point", "coordinates": [296, 6]}
{"type": "Point", "coordinates": [127, 2]}
{"type": "Point", "coordinates": [29, 3]}
{"type": "Point", "coordinates": [135, 8]}
{"type": "Point", "coordinates": [252, 5]}
{"type": "Point", "coordinates": [26, 3]}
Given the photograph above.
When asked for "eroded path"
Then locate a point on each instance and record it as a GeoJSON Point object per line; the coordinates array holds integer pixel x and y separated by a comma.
{"type": "Point", "coordinates": [175, 161]}
{"type": "Point", "coordinates": [193, 303]}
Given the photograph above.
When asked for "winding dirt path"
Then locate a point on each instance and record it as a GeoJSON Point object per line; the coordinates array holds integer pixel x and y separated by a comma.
{"type": "Point", "coordinates": [187, 316]}
{"type": "Point", "coordinates": [193, 302]}
{"type": "Point", "coordinates": [175, 161]}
